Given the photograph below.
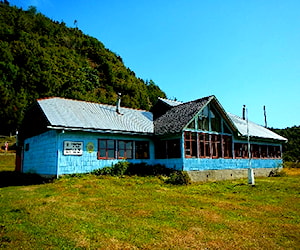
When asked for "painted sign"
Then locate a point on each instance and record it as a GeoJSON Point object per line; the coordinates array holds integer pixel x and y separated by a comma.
{"type": "Point", "coordinates": [73, 148]}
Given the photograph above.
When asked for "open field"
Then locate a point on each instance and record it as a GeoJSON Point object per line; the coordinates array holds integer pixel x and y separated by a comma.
{"type": "Point", "coordinates": [92, 212]}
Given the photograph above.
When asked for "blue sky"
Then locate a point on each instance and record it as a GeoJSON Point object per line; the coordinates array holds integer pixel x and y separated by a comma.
{"type": "Point", "coordinates": [241, 51]}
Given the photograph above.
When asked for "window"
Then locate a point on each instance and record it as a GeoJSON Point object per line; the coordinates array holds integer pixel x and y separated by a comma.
{"type": "Point", "coordinates": [160, 149]}
{"type": "Point", "coordinates": [125, 149]}
{"type": "Point", "coordinates": [226, 129]}
{"type": "Point", "coordinates": [204, 145]}
{"type": "Point", "coordinates": [173, 148]}
{"type": "Point", "coordinates": [227, 146]}
{"type": "Point", "coordinates": [215, 120]}
{"type": "Point", "coordinates": [192, 124]}
{"type": "Point", "coordinates": [264, 151]}
{"type": "Point", "coordinates": [257, 151]}
{"type": "Point", "coordinates": [141, 150]}
{"type": "Point", "coordinates": [274, 152]}
{"type": "Point", "coordinates": [106, 149]}
{"type": "Point", "coordinates": [122, 149]}
{"type": "Point", "coordinates": [203, 121]}
{"type": "Point", "coordinates": [216, 146]}
{"type": "Point", "coordinates": [190, 144]}
{"type": "Point", "coordinates": [167, 149]}
{"type": "Point", "coordinates": [241, 150]}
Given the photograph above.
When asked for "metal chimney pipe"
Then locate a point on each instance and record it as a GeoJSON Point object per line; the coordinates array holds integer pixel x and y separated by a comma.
{"type": "Point", "coordinates": [118, 106]}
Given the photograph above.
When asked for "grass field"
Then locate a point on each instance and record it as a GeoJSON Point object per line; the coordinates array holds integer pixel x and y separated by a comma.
{"type": "Point", "coordinates": [91, 212]}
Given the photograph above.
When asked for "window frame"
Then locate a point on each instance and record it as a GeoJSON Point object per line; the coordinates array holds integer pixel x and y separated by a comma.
{"type": "Point", "coordinates": [106, 148]}
{"type": "Point", "coordinates": [126, 149]}
{"type": "Point", "coordinates": [144, 146]}
{"type": "Point", "coordinates": [190, 144]}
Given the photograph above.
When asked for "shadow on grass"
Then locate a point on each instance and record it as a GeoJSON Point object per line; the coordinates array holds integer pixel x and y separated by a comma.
{"type": "Point", "coordinates": [12, 178]}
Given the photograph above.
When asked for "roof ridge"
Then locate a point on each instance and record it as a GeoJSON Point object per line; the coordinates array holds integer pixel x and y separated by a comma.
{"type": "Point", "coordinates": [93, 102]}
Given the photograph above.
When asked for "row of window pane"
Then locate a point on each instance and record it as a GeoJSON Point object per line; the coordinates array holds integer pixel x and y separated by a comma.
{"type": "Point", "coordinates": [202, 145]}
{"type": "Point", "coordinates": [121, 149]}
{"type": "Point", "coordinates": [256, 151]}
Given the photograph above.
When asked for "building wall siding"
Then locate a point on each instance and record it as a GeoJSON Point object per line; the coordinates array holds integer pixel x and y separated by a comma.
{"type": "Point", "coordinates": [87, 162]}
{"type": "Point", "coordinates": [46, 156]}
{"type": "Point", "coordinates": [40, 154]}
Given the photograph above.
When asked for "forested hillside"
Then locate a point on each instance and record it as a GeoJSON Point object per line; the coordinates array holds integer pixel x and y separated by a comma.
{"type": "Point", "coordinates": [40, 58]}
{"type": "Point", "coordinates": [291, 150]}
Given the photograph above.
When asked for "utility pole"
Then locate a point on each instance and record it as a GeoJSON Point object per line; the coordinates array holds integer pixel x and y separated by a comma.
{"type": "Point", "coordinates": [250, 169]}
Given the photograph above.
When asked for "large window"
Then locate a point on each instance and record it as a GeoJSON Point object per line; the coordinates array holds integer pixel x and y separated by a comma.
{"type": "Point", "coordinates": [122, 149]}
{"type": "Point", "coordinates": [209, 145]}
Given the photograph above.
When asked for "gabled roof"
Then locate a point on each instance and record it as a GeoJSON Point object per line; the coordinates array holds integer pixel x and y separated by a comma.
{"type": "Point", "coordinates": [180, 114]}
{"type": "Point", "coordinates": [255, 130]}
{"type": "Point", "coordinates": [176, 118]}
{"type": "Point", "coordinates": [80, 115]}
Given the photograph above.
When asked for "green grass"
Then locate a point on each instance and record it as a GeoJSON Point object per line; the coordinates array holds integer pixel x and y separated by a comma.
{"type": "Point", "coordinates": [92, 212]}
{"type": "Point", "coordinates": [7, 161]}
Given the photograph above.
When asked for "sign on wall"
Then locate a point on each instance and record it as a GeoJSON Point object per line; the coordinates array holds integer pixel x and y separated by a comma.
{"type": "Point", "coordinates": [73, 147]}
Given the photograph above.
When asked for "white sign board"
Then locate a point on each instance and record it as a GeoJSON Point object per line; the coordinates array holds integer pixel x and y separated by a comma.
{"type": "Point", "coordinates": [73, 147]}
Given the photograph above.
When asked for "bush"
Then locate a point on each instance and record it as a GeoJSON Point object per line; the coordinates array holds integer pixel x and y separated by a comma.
{"type": "Point", "coordinates": [143, 169]}
{"type": "Point", "coordinates": [179, 178]}
{"type": "Point", "coordinates": [117, 169]}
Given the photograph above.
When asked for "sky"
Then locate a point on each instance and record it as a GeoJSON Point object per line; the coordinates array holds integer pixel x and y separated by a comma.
{"type": "Point", "coordinates": [243, 52]}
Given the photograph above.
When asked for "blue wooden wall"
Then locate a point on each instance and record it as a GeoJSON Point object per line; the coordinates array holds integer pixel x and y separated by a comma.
{"type": "Point", "coordinates": [45, 156]}
{"type": "Point", "coordinates": [40, 154]}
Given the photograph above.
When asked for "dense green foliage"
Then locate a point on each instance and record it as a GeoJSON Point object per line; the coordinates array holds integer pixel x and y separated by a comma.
{"type": "Point", "coordinates": [40, 58]}
{"type": "Point", "coordinates": [291, 149]}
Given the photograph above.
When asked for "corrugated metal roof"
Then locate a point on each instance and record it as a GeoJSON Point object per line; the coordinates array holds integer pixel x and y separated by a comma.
{"type": "Point", "coordinates": [255, 130]}
{"type": "Point", "coordinates": [87, 115]}
{"type": "Point", "coordinates": [81, 115]}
